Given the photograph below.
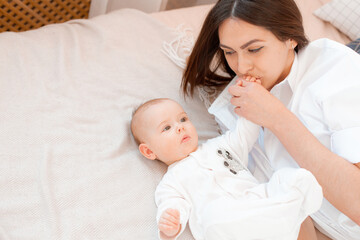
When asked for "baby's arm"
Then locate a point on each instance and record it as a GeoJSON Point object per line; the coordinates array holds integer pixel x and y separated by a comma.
{"type": "Point", "coordinates": [246, 133]}
{"type": "Point", "coordinates": [169, 223]}
{"type": "Point", "coordinates": [170, 195]}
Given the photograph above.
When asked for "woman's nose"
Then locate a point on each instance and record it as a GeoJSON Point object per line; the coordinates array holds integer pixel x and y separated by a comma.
{"type": "Point", "coordinates": [244, 65]}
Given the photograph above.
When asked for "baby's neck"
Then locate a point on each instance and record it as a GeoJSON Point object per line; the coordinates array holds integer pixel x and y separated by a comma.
{"type": "Point", "coordinates": [175, 162]}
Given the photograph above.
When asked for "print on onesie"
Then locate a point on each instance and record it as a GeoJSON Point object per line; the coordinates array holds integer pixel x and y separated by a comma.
{"type": "Point", "coordinates": [230, 162]}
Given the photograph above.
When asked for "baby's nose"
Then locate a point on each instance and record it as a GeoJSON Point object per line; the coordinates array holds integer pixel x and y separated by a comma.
{"type": "Point", "coordinates": [180, 128]}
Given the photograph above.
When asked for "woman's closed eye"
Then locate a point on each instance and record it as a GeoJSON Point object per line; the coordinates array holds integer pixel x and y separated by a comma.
{"type": "Point", "coordinates": [251, 50]}
{"type": "Point", "coordinates": [255, 50]}
{"type": "Point", "coordinates": [228, 52]}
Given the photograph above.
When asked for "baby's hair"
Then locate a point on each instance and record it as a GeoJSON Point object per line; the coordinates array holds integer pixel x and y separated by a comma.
{"type": "Point", "coordinates": [137, 111]}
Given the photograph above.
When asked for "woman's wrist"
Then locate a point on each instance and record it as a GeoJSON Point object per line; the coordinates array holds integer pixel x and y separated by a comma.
{"type": "Point", "coordinates": [280, 119]}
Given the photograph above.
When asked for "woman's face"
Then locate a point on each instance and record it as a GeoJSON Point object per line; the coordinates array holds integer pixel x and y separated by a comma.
{"type": "Point", "coordinates": [254, 51]}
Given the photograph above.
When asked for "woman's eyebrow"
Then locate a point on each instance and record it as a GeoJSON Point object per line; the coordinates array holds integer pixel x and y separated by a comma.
{"type": "Point", "coordinates": [224, 46]}
{"type": "Point", "coordinates": [250, 42]}
{"type": "Point", "coordinates": [244, 45]}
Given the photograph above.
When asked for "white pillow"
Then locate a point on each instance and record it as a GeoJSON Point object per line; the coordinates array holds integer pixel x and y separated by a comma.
{"type": "Point", "coordinates": [343, 14]}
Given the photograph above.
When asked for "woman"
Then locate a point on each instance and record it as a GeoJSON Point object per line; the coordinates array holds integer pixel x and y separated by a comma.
{"type": "Point", "coordinates": [308, 103]}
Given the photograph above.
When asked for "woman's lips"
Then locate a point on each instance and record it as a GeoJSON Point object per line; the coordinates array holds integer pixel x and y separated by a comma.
{"type": "Point", "coordinates": [245, 76]}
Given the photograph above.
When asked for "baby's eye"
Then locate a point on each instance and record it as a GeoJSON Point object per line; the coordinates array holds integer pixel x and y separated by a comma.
{"type": "Point", "coordinates": [255, 50]}
{"type": "Point", "coordinates": [167, 128]}
{"type": "Point", "coordinates": [183, 119]}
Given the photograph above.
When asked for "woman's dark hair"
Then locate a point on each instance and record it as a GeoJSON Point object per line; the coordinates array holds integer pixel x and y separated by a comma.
{"type": "Point", "coordinates": [281, 17]}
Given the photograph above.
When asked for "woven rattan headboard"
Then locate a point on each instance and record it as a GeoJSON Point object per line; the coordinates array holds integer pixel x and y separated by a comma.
{"type": "Point", "coordinates": [21, 15]}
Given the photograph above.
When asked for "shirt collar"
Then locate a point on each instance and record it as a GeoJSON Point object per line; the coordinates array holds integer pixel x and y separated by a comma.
{"type": "Point", "coordinates": [291, 78]}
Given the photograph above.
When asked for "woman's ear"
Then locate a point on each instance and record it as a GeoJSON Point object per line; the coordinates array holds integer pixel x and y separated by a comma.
{"type": "Point", "coordinates": [146, 151]}
{"type": "Point", "coordinates": [292, 44]}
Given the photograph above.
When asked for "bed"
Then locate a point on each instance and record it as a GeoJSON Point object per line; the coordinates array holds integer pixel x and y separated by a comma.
{"type": "Point", "coordinates": [69, 166]}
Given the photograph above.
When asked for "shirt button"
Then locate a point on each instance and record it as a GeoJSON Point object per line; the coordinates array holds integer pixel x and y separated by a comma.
{"type": "Point", "coordinates": [233, 171]}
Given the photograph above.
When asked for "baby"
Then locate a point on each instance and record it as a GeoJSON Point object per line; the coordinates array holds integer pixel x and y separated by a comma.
{"type": "Point", "coordinates": [210, 186]}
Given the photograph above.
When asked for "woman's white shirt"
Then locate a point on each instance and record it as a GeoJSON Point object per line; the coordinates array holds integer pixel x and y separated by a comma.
{"type": "Point", "coordinates": [322, 90]}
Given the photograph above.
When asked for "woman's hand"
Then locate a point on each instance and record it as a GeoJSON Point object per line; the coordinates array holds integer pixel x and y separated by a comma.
{"type": "Point", "coordinates": [253, 102]}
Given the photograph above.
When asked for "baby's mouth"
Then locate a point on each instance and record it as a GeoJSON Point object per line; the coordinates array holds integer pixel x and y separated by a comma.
{"type": "Point", "coordinates": [186, 138]}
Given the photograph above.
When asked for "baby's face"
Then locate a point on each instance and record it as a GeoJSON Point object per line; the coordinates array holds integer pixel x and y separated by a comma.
{"type": "Point", "coordinates": [167, 131]}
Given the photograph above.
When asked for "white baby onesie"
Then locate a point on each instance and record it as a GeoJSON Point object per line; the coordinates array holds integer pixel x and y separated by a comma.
{"type": "Point", "coordinates": [216, 193]}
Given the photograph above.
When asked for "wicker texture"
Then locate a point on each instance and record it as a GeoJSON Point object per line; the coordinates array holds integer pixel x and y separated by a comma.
{"type": "Point", "coordinates": [22, 15]}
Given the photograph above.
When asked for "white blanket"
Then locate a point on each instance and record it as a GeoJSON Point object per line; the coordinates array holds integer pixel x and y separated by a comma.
{"type": "Point", "coordinates": [69, 168]}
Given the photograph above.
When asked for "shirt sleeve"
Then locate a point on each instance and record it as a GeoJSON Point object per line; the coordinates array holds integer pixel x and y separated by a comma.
{"type": "Point", "coordinates": [168, 194]}
{"type": "Point", "coordinates": [242, 139]}
{"type": "Point", "coordinates": [330, 108]}
{"type": "Point", "coordinates": [342, 114]}
{"type": "Point", "coordinates": [223, 110]}
{"type": "Point", "coordinates": [340, 146]}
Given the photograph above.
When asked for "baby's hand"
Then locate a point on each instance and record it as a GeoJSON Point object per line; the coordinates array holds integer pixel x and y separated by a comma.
{"type": "Point", "coordinates": [169, 223]}
{"type": "Point", "coordinates": [252, 79]}
{"type": "Point", "coordinates": [240, 81]}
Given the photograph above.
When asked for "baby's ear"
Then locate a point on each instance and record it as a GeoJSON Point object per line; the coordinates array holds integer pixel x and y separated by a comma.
{"type": "Point", "coordinates": [146, 151]}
